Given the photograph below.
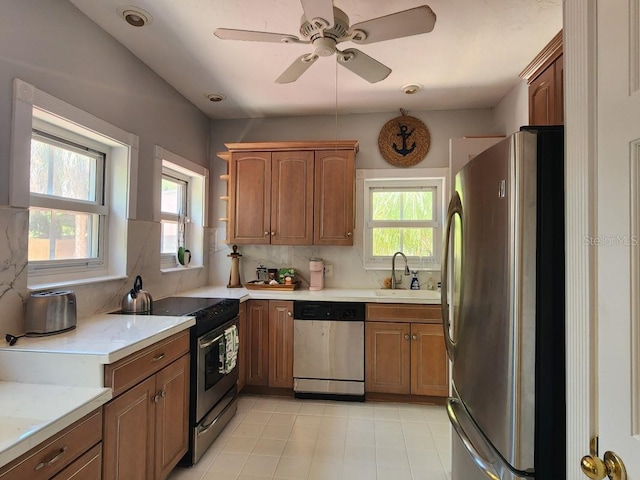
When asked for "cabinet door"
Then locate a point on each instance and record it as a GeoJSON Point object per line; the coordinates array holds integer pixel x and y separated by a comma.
{"type": "Point", "coordinates": [172, 415]}
{"type": "Point", "coordinates": [292, 198]}
{"type": "Point", "coordinates": [280, 344]}
{"type": "Point", "coordinates": [250, 197]}
{"type": "Point", "coordinates": [257, 353]}
{"type": "Point", "coordinates": [429, 364]}
{"type": "Point", "coordinates": [559, 90]}
{"type": "Point", "coordinates": [129, 431]}
{"type": "Point", "coordinates": [242, 334]}
{"type": "Point", "coordinates": [542, 98]}
{"type": "Point", "coordinates": [333, 198]}
{"type": "Point", "coordinates": [387, 357]}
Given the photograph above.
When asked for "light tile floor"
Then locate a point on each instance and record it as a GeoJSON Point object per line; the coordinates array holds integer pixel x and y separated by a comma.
{"type": "Point", "coordinates": [284, 438]}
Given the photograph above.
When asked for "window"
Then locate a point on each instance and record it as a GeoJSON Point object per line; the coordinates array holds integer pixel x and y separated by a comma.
{"type": "Point", "coordinates": [68, 212]}
{"type": "Point", "coordinates": [173, 211]}
{"type": "Point", "coordinates": [403, 214]}
{"type": "Point", "coordinates": [76, 174]}
{"type": "Point", "coordinates": [180, 207]}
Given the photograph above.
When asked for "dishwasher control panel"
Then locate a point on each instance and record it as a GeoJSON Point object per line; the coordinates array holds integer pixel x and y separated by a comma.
{"type": "Point", "coordinates": [346, 311]}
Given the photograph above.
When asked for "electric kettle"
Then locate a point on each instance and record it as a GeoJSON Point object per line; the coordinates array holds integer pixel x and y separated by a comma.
{"type": "Point", "coordinates": [137, 300]}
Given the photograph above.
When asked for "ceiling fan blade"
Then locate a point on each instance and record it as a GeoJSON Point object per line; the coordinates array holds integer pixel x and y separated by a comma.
{"type": "Point", "coordinates": [361, 64]}
{"type": "Point", "coordinates": [251, 36]}
{"type": "Point", "coordinates": [318, 9]}
{"type": "Point", "coordinates": [297, 68]}
{"type": "Point", "coordinates": [397, 25]}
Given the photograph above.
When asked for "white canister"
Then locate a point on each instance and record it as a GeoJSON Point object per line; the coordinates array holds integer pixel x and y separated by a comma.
{"type": "Point", "coordinates": [316, 277]}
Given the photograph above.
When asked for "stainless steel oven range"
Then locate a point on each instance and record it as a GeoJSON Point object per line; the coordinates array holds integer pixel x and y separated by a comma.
{"type": "Point", "coordinates": [214, 375]}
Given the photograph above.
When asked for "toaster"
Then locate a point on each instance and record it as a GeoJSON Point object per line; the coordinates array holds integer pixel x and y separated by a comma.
{"type": "Point", "coordinates": [50, 312]}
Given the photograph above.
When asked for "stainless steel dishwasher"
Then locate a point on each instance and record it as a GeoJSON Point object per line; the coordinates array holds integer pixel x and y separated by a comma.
{"type": "Point", "coordinates": [328, 350]}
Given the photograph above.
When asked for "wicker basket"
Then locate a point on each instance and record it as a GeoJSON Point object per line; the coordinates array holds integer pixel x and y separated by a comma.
{"type": "Point", "coordinates": [404, 141]}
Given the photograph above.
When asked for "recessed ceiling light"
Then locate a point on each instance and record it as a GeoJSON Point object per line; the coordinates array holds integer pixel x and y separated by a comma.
{"type": "Point", "coordinates": [135, 16]}
{"type": "Point", "coordinates": [411, 88]}
{"type": "Point", "coordinates": [216, 97]}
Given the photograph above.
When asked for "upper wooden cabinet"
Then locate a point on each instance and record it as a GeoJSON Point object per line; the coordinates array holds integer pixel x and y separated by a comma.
{"type": "Point", "coordinates": [545, 76]}
{"type": "Point", "coordinates": [334, 197]}
{"type": "Point", "coordinates": [291, 193]}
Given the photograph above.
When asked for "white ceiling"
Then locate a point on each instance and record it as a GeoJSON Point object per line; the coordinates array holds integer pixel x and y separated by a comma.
{"type": "Point", "coordinates": [471, 59]}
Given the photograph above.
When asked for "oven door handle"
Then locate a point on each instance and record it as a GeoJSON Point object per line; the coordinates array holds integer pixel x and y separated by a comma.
{"type": "Point", "coordinates": [207, 426]}
{"type": "Point", "coordinates": [204, 343]}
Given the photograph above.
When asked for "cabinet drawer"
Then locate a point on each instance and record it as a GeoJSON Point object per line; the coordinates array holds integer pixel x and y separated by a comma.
{"type": "Point", "coordinates": [87, 467]}
{"type": "Point", "coordinates": [131, 370]}
{"type": "Point", "coordinates": [50, 457]}
{"type": "Point", "coordinates": [403, 312]}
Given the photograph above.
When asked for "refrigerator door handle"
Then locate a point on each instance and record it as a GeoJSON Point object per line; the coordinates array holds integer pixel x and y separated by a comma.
{"type": "Point", "coordinates": [455, 208]}
{"type": "Point", "coordinates": [489, 461]}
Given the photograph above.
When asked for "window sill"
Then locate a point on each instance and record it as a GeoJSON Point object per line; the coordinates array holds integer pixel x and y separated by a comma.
{"type": "Point", "coordinates": [72, 283]}
{"type": "Point", "coordinates": [180, 268]}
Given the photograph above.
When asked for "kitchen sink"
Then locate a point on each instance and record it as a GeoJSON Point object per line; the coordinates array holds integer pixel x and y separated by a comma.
{"type": "Point", "coordinates": [403, 293]}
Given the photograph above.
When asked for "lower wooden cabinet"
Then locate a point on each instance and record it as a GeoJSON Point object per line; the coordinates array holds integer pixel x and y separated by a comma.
{"type": "Point", "coordinates": [242, 334]}
{"type": "Point", "coordinates": [146, 428]}
{"type": "Point", "coordinates": [405, 357]}
{"type": "Point", "coordinates": [87, 467]}
{"type": "Point", "coordinates": [76, 450]}
{"type": "Point", "coordinates": [257, 342]}
{"type": "Point", "coordinates": [269, 343]}
{"type": "Point", "coordinates": [280, 344]}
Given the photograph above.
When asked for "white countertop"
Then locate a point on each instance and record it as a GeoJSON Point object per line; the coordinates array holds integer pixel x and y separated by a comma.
{"type": "Point", "coordinates": [368, 295]}
{"type": "Point", "coordinates": [65, 375]}
{"type": "Point", "coordinates": [65, 381]}
{"type": "Point", "coordinates": [30, 414]}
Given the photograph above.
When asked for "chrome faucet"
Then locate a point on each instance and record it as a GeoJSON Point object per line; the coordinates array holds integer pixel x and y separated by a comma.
{"type": "Point", "coordinates": [394, 282]}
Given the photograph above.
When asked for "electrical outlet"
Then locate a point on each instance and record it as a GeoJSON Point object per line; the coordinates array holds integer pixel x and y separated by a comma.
{"type": "Point", "coordinates": [328, 271]}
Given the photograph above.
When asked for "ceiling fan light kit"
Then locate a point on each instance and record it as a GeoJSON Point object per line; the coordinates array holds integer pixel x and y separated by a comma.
{"type": "Point", "coordinates": [328, 26]}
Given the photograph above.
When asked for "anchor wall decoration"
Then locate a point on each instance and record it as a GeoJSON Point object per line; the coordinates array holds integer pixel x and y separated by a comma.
{"type": "Point", "coordinates": [404, 141]}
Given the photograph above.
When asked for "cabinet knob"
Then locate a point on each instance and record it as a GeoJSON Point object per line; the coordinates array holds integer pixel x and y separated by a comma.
{"type": "Point", "coordinates": [288, 314]}
{"type": "Point", "coordinates": [349, 234]}
{"type": "Point", "coordinates": [273, 233]}
{"type": "Point", "coordinates": [406, 337]}
{"type": "Point", "coordinates": [414, 337]}
{"type": "Point", "coordinates": [266, 233]}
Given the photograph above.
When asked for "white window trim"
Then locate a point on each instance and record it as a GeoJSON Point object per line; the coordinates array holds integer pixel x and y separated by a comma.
{"type": "Point", "coordinates": [409, 177]}
{"type": "Point", "coordinates": [196, 202]}
{"type": "Point", "coordinates": [29, 104]}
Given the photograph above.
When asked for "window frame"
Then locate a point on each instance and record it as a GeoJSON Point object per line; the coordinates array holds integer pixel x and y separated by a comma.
{"type": "Point", "coordinates": [168, 260]}
{"type": "Point", "coordinates": [74, 142]}
{"type": "Point", "coordinates": [197, 177]}
{"type": "Point", "coordinates": [33, 107]}
{"type": "Point", "coordinates": [375, 180]}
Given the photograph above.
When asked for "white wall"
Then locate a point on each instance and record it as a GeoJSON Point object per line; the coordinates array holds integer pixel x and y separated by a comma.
{"type": "Point", "coordinates": [347, 261]}
{"type": "Point", "coordinates": [512, 111]}
{"type": "Point", "coordinates": [54, 47]}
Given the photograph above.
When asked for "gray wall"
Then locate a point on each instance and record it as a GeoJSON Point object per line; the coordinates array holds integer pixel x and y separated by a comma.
{"type": "Point", "coordinates": [51, 45]}
{"type": "Point", "coordinates": [347, 261]}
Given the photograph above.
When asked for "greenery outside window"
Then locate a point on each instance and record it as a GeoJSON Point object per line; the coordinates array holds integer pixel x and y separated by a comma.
{"type": "Point", "coordinates": [180, 209]}
{"type": "Point", "coordinates": [68, 206]}
{"type": "Point", "coordinates": [173, 212]}
{"type": "Point", "coordinates": [403, 215]}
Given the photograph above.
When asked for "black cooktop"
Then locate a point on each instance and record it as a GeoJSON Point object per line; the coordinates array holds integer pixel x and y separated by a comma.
{"type": "Point", "coordinates": [180, 306]}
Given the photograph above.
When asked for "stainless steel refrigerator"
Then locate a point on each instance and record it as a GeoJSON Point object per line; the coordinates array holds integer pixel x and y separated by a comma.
{"type": "Point", "coordinates": [503, 310]}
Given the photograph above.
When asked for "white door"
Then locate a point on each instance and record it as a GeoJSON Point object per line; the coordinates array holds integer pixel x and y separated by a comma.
{"type": "Point", "coordinates": [616, 243]}
{"type": "Point", "coordinates": [613, 242]}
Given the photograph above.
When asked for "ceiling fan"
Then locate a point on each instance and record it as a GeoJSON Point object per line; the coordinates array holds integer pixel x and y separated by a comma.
{"type": "Point", "coordinates": [325, 26]}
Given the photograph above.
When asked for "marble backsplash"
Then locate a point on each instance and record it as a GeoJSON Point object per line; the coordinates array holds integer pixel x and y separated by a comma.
{"type": "Point", "coordinates": [346, 262]}
{"type": "Point", "coordinates": [143, 258]}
